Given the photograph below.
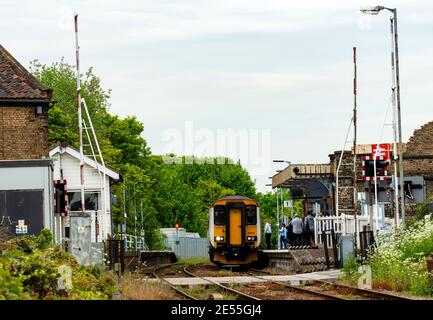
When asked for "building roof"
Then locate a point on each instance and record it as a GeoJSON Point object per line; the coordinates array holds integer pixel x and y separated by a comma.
{"type": "Point", "coordinates": [16, 83]}
{"type": "Point", "coordinates": [76, 154]}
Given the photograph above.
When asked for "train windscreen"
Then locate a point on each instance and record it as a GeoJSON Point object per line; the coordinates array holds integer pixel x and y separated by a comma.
{"type": "Point", "coordinates": [219, 215]}
{"type": "Point", "coordinates": [250, 215]}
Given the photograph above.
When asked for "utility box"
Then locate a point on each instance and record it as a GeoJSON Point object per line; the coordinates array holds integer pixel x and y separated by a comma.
{"type": "Point", "coordinates": [80, 243]}
{"type": "Point", "coordinates": [347, 248]}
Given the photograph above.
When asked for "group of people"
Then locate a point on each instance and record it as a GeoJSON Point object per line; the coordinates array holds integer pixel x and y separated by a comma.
{"type": "Point", "coordinates": [298, 232]}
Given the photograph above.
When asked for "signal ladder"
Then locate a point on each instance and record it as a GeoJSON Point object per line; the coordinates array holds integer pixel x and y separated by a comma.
{"type": "Point", "coordinates": [90, 144]}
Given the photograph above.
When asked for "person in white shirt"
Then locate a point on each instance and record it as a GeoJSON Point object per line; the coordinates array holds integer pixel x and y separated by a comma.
{"type": "Point", "coordinates": [268, 233]}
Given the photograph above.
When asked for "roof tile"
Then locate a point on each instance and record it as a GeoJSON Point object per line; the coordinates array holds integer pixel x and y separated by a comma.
{"type": "Point", "coordinates": [16, 82]}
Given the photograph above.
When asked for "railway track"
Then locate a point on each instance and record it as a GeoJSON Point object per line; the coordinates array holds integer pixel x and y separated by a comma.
{"type": "Point", "coordinates": [222, 287]}
{"type": "Point", "coordinates": [173, 287]}
{"type": "Point", "coordinates": [280, 289]}
{"type": "Point", "coordinates": [305, 293]}
{"type": "Point", "coordinates": [273, 289]}
{"type": "Point", "coordinates": [341, 291]}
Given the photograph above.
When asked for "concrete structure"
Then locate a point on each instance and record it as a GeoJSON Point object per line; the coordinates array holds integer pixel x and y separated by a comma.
{"type": "Point", "coordinates": [97, 191]}
{"type": "Point", "coordinates": [26, 193]}
{"type": "Point", "coordinates": [295, 279]}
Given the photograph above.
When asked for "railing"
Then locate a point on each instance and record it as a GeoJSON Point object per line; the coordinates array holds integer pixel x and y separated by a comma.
{"type": "Point", "coordinates": [345, 225]}
{"type": "Point", "coordinates": [135, 242]}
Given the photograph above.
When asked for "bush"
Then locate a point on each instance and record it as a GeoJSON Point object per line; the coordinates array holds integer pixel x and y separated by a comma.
{"type": "Point", "coordinates": [399, 262]}
{"type": "Point", "coordinates": [29, 269]}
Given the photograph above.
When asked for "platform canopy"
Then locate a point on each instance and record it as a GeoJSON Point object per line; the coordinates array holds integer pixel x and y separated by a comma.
{"type": "Point", "coordinates": [313, 179]}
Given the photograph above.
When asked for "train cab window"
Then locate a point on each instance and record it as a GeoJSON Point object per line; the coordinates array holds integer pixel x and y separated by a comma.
{"type": "Point", "coordinates": [219, 215]}
{"type": "Point", "coordinates": [250, 215]}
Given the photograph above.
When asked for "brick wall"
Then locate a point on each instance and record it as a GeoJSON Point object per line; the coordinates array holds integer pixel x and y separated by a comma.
{"type": "Point", "coordinates": [23, 135]}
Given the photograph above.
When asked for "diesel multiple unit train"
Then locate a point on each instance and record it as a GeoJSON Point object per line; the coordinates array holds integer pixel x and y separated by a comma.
{"type": "Point", "coordinates": [234, 231]}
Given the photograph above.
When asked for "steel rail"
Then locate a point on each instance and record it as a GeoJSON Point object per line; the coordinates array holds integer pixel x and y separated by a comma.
{"type": "Point", "coordinates": [300, 288]}
{"type": "Point", "coordinates": [223, 287]}
{"type": "Point", "coordinates": [359, 291]}
{"type": "Point", "coordinates": [181, 292]}
{"type": "Point", "coordinates": [365, 292]}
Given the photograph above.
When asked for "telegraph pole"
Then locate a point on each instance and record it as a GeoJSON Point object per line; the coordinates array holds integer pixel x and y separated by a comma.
{"type": "Point", "coordinates": [80, 120]}
{"type": "Point", "coordinates": [400, 141]}
{"type": "Point", "coordinates": [394, 129]}
{"type": "Point", "coordinates": [354, 143]}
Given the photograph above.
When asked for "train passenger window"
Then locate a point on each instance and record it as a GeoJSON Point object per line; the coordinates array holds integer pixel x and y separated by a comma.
{"type": "Point", "coordinates": [219, 215]}
{"type": "Point", "coordinates": [250, 215]}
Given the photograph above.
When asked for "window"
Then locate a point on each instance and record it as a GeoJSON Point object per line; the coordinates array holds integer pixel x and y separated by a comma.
{"type": "Point", "coordinates": [23, 205]}
{"type": "Point", "coordinates": [219, 215]}
{"type": "Point", "coordinates": [250, 215]}
{"type": "Point", "coordinates": [91, 201]}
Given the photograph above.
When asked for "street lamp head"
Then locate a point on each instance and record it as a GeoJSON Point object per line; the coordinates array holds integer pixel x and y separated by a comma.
{"type": "Point", "coordinates": [281, 161]}
{"type": "Point", "coordinates": [372, 10]}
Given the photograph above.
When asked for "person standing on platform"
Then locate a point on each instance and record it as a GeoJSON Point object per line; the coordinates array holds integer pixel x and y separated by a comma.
{"type": "Point", "coordinates": [289, 233]}
{"type": "Point", "coordinates": [309, 228]}
{"type": "Point", "coordinates": [298, 229]}
{"type": "Point", "coordinates": [268, 233]}
{"type": "Point", "coordinates": [283, 236]}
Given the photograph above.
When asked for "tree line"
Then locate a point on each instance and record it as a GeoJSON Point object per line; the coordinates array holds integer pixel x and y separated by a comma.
{"type": "Point", "coordinates": [158, 193]}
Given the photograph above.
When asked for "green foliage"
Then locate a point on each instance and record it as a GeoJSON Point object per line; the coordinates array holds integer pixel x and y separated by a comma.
{"type": "Point", "coordinates": [350, 270]}
{"type": "Point", "coordinates": [29, 269]}
{"type": "Point", "coordinates": [185, 191]}
{"type": "Point", "coordinates": [157, 193]}
{"type": "Point", "coordinates": [11, 288]}
{"type": "Point", "coordinates": [399, 262]}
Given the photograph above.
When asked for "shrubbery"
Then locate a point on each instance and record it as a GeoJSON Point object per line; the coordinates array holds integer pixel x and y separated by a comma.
{"type": "Point", "coordinates": [29, 269]}
{"type": "Point", "coordinates": [399, 262]}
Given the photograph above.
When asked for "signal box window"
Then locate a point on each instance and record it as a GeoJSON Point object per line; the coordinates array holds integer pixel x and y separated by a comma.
{"type": "Point", "coordinates": [219, 215]}
{"type": "Point", "coordinates": [250, 215]}
{"type": "Point", "coordinates": [91, 201]}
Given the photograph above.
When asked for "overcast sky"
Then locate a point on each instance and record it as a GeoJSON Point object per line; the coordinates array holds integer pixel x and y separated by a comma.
{"type": "Point", "coordinates": [280, 68]}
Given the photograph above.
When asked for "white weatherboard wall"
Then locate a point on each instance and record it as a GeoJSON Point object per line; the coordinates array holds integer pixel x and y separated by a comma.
{"type": "Point", "coordinates": [67, 160]}
{"type": "Point", "coordinates": [31, 178]}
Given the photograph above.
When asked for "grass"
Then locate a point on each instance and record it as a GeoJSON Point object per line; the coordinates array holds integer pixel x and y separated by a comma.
{"type": "Point", "coordinates": [189, 262]}
{"type": "Point", "coordinates": [138, 288]}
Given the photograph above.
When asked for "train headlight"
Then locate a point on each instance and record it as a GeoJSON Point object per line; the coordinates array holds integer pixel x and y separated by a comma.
{"type": "Point", "coordinates": [251, 238]}
{"type": "Point", "coordinates": [219, 238]}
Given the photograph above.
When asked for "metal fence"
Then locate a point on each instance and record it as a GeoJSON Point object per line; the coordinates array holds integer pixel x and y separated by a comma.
{"type": "Point", "coordinates": [189, 247]}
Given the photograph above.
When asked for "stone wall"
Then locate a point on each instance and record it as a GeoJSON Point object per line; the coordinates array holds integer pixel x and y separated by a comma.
{"type": "Point", "coordinates": [418, 158]}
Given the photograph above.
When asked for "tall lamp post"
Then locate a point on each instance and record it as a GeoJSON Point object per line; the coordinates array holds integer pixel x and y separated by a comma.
{"type": "Point", "coordinates": [396, 77]}
{"type": "Point", "coordinates": [281, 198]}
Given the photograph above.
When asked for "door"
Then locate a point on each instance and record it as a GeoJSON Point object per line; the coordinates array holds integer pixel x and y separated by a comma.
{"type": "Point", "coordinates": [235, 226]}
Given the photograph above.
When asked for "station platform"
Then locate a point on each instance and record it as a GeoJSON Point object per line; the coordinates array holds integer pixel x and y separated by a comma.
{"type": "Point", "coordinates": [328, 275]}
{"type": "Point", "coordinates": [303, 259]}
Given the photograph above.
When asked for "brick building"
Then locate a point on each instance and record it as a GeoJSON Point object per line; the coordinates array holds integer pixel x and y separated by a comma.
{"type": "Point", "coordinates": [26, 174]}
{"type": "Point", "coordinates": [24, 107]}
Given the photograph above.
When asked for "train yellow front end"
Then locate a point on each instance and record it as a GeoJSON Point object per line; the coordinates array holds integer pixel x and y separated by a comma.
{"type": "Point", "coordinates": [234, 231]}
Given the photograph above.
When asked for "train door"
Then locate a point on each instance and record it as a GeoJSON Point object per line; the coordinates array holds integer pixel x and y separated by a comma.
{"type": "Point", "coordinates": [235, 215]}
